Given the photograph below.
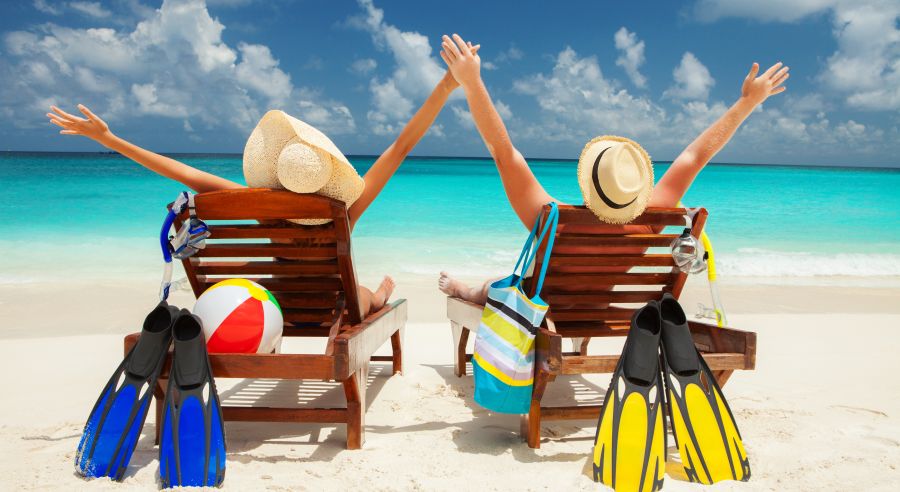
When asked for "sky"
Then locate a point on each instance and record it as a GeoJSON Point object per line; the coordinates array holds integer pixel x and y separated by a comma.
{"type": "Point", "coordinates": [195, 75]}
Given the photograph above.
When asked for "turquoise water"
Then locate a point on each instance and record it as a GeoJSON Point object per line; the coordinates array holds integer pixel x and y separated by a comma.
{"type": "Point", "coordinates": [99, 214]}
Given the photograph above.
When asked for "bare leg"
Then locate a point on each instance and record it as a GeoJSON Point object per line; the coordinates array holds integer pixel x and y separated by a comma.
{"type": "Point", "coordinates": [369, 301]}
{"type": "Point", "coordinates": [455, 288]}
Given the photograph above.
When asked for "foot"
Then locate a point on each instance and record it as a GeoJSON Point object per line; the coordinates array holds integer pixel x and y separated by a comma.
{"type": "Point", "coordinates": [382, 293]}
{"type": "Point", "coordinates": [452, 287]}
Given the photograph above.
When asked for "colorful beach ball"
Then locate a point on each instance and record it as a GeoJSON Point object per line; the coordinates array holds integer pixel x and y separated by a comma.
{"type": "Point", "coordinates": [239, 316]}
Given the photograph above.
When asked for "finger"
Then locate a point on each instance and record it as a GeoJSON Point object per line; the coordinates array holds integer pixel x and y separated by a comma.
{"type": "Point", "coordinates": [68, 132]}
{"type": "Point", "coordinates": [753, 71]}
{"type": "Point", "coordinates": [451, 47]}
{"type": "Point", "coordinates": [87, 112]}
{"type": "Point", "coordinates": [58, 123]}
{"type": "Point", "coordinates": [781, 80]}
{"type": "Point", "coordinates": [772, 70]}
{"type": "Point", "coordinates": [475, 48]}
{"type": "Point", "coordinates": [463, 47]}
{"type": "Point", "coordinates": [65, 115]}
{"type": "Point", "coordinates": [444, 57]}
{"type": "Point", "coordinates": [448, 51]}
{"type": "Point", "coordinates": [778, 90]}
{"type": "Point", "coordinates": [780, 73]}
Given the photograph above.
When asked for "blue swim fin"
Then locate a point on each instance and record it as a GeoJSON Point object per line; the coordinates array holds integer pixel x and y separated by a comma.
{"type": "Point", "coordinates": [115, 423]}
{"type": "Point", "coordinates": [192, 445]}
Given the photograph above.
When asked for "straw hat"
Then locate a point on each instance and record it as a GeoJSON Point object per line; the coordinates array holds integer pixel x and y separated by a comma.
{"type": "Point", "coordinates": [286, 153]}
{"type": "Point", "coordinates": [616, 178]}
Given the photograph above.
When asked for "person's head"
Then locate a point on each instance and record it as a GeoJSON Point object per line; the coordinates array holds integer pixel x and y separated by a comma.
{"type": "Point", "coordinates": [283, 152]}
{"type": "Point", "coordinates": [616, 178]}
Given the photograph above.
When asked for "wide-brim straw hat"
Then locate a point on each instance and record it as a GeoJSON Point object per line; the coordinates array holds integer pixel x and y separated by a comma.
{"type": "Point", "coordinates": [283, 152]}
{"type": "Point", "coordinates": [616, 178]}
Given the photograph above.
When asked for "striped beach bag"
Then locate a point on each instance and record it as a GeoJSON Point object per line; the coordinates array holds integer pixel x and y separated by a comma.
{"type": "Point", "coordinates": [504, 344]}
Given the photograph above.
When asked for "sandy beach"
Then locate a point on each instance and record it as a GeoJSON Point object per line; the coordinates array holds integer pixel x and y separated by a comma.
{"type": "Point", "coordinates": [819, 412]}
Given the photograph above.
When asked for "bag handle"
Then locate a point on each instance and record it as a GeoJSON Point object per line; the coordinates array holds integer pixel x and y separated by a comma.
{"type": "Point", "coordinates": [526, 250]}
{"type": "Point", "coordinates": [550, 224]}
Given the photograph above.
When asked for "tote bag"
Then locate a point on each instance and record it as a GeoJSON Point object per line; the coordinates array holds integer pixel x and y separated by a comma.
{"type": "Point", "coordinates": [504, 344]}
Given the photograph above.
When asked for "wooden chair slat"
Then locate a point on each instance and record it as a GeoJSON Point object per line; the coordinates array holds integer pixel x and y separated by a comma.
{"type": "Point", "coordinates": [292, 284]}
{"type": "Point", "coordinates": [286, 231]}
{"type": "Point", "coordinates": [266, 250]}
{"type": "Point", "coordinates": [600, 244]}
{"type": "Point", "coordinates": [266, 267]}
{"type": "Point", "coordinates": [262, 204]}
{"type": "Point", "coordinates": [307, 315]}
{"type": "Point", "coordinates": [613, 260]}
{"type": "Point", "coordinates": [591, 282]}
{"type": "Point", "coordinates": [608, 314]}
{"type": "Point", "coordinates": [560, 299]}
{"type": "Point", "coordinates": [311, 300]}
{"type": "Point", "coordinates": [569, 215]}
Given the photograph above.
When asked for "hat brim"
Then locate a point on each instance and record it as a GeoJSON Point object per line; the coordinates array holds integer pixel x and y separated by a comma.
{"type": "Point", "coordinates": [593, 201]}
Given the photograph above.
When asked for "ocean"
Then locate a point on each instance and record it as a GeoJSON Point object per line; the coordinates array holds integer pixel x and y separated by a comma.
{"type": "Point", "coordinates": [86, 215]}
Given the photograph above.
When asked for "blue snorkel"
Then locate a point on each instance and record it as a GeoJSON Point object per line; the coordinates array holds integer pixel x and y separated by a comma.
{"type": "Point", "coordinates": [189, 239]}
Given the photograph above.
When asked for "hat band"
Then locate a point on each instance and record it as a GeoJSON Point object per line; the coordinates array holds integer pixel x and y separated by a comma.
{"type": "Point", "coordinates": [608, 201]}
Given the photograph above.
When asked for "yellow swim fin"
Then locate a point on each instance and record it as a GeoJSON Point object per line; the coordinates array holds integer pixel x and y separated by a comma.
{"type": "Point", "coordinates": [630, 446]}
{"type": "Point", "coordinates": [705, 432]}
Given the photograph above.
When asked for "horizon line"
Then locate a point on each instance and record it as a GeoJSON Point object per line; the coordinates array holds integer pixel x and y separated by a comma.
{"type": "Point", "coordinates": [893, 167]}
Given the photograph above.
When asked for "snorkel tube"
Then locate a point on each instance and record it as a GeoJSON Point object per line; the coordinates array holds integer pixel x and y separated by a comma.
{"type": "Point", "coordinates": [167, 255]}
{"type": "Point", "coordinates": [709, 259]}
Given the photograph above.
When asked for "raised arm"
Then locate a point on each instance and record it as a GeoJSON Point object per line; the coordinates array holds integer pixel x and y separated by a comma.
{"type": "Point", "coordinates": [525, 193]}
{"type": "Point", "coordinates": [676, 181]}
{"type": "Point", "coordinates": [96, 129]}
{"type": "Point", "coordinates": [386, 165]}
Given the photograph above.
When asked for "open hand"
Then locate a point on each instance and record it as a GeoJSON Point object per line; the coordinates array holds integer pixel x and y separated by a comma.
{"type": "Point", "coordinates": [92, 127]}
{"type": "Point", "coordinates": [758, 89]}
{"type": "Point", "coordinates": [449, 79]}
{"type": "Point", "coordinates": [462, 59]}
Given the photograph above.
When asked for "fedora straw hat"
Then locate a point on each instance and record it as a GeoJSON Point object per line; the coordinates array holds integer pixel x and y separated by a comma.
{"type": "Point", "coordinates": [283, 152]}
{"type": "Point", "coordinates": [616, 178]}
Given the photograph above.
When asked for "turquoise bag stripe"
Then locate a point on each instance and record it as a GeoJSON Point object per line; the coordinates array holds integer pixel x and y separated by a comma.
{"type": "Point", "coordinates": [497, 396]}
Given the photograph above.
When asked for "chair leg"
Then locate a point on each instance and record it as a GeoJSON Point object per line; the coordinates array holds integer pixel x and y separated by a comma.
{"type": "Point", "coordinates": [460, 338]}
{"type": "Point", "coordinates": [530, 424]}
{"type": "Point", "coordinates": [159, 393]}
{"type": "Point", "coordinates": [584, 345]}
{"type": "Point", "coordinates": [396, 348]}
{"type": "Point", "coordinates": [355, 392]}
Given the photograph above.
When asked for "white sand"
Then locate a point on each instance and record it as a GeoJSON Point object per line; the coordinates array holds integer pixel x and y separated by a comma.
{"type": "Point", "coordinates": [821, 412]}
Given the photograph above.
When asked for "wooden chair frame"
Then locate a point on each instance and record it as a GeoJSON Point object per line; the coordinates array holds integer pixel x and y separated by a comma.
{"type": "Point", "coordinates": [310, 272]}
{"type": "Point", "coordinates": [590, 277]}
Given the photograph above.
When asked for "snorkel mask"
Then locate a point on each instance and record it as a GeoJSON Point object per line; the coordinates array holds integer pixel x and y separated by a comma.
{"type": "Point", "coordinates": [687, 250]}
{"type": "Point", "coordinates": [190, 238]}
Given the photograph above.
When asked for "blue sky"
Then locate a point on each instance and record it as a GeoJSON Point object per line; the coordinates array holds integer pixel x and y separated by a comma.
{"type": "Point", "coordinates": [194, 76]}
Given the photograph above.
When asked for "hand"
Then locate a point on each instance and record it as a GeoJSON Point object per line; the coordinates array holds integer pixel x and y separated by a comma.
{"type": "Point", "coordinates": [92, 127]}
{"type": "Point", "coordinates": [464, 64]}
{"type": "Point", "coordinates": [758, 89]}
{"type": "Point", "coordinates": [449, 80]}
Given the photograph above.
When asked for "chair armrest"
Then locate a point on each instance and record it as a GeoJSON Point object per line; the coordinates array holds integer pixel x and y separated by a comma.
{"type": "Point", "coordinates": [723, 340]}
{"type": "Point", "coordinates": [354, 346]}
{"type": "Point", "coordinates": [464, 313]}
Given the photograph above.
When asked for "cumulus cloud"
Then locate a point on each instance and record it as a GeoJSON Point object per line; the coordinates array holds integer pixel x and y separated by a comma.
{"type": "Point", "coordinates": [416, 71]}
{"type": "Point", "coordinates": [508, 55]}
{"type": "Point", "coordinates": [865, 68]}
{"type": "Point", "coordinates": [631, 55]}
{"type": "Point", "coordinates": [173, 64]}
{"type": "Point", "coordinates": [363, 66]}
{"type": "Point", "coordinates": [692, 80]}
{"type": "Point", "coordinates": [46, 7]}
{"type": "Point", "coordinates": [90, 9]}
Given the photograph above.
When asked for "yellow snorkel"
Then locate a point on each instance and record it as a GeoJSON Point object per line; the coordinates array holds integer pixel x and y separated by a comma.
{"type": "Point", "coordinates": [709, 259]}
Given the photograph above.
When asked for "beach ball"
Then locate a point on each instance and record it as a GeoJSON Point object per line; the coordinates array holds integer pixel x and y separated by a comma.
{"type": "Point", "coordinates": [239, 316]}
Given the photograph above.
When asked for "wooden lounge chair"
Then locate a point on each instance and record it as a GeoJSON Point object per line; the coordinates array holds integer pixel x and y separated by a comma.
{"type": "Point", "coordinates": [595, 281]}
{"type": "Point", "coordinates": [310, 271]}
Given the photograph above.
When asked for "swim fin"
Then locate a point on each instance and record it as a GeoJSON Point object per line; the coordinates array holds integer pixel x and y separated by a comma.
{"type": "Point", "coordinates": [705, 432]}
{"type": "Point", "coordinates": [192, 445]}
{"type": "Point", "coordinates": [630, 446]}
{"type": "Point", "coordinates": [115, 423]}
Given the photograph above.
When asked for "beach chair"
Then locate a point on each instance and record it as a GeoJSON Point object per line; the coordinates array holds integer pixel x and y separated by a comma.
{"type": "Point", "coordinates": [309, 270]}
{"type": "Point", "coordinates": [597, 277]}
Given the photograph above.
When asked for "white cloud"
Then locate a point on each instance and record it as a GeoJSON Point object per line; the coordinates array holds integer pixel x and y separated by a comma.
{"type": "Point", "coordinates": [631, 55]}
{"type": "Point", "coordinates": [46, 7]}
{"type": "Point", "coordinates": [865, 68]}
{"type": "Point", "coordinates": [416, 71]}
{"type": "Point", "coordinates": [510, 54]}
{"type": "Point", "coordinates": [173, 64]}
{"type": "Point", "coordinates": [503, 110]}
{"type": "Point", "coordinates": [577, 102]}
{"type": "Point", "coordinates": [91, 9]}
{"type": "Point", "coordinates": [363, 66]}
{"type": "Point", "coordinates": [692, 80]}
